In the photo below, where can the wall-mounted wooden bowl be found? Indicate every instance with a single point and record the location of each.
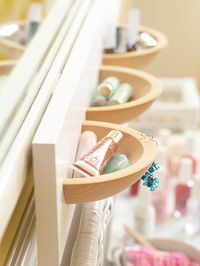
(6, 66)
(146, 90)
(10, 49)
(140, 151)
(138, 59)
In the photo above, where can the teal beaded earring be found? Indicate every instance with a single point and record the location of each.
(148, 179)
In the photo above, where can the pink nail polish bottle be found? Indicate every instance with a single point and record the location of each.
(190, 146)
(183, 186)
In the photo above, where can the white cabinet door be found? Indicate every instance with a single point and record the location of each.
(55, 143)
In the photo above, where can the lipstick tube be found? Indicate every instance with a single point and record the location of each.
(93, 163)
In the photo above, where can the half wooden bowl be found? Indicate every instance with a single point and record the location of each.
(141, 58)
(141, 152)
(146, 90)
(6, 66)
(10, 49)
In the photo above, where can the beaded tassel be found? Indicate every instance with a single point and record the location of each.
(148, 179)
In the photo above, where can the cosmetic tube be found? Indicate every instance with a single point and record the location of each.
(117, 162)
(108, 87)
(33, 21)
(110, 41)
(133, 27)
(99, 100)
(93, 163)
(144, 213)
(87, 141)
(122, 95)
(145, 41)
(121, 40)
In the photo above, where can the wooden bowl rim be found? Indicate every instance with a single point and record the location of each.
(159, 36)
(154, 92)
(144, 161)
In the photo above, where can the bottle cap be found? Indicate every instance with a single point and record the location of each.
(185, 169)
(115, 135)
(164, 136)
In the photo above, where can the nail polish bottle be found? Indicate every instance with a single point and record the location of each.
(133, 28)
(160, 197)
(144, 213)
(193, 209)
(190, 146)
(176, 151)
(164, 135)
(183, 186)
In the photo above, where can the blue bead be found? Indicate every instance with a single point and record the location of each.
(154, 167)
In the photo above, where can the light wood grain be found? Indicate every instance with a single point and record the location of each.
(140, 152)
(138, 59)
(146, 89)
(6, 66)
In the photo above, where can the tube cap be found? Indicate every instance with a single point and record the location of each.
(115, 135)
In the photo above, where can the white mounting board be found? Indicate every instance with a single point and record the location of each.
(55, 143)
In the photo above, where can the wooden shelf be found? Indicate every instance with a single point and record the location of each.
(146, 90)
(138, 59)
(140, 151)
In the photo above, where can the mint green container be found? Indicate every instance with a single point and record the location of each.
(122, 95)
(117, 162)
(108, 87)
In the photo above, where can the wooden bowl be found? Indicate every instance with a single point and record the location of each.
(10, 49)
(6, 66)
(140, 151)
(146, 90)
(141, 58)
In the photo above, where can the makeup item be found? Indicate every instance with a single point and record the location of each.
(117, 162)
(87, 141)
(121, 40)
(190, 138)
(122, 95)
(183, 186)
(133, 28)
(160, 197)
(164, 136)
(110, 38)
(192, 225)
(99, 100)
(108, 87)
(134, 188)
(33, 21)
(11, 31)
(93, 163)
(176, 151)
(144, 213)
(145, 41)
